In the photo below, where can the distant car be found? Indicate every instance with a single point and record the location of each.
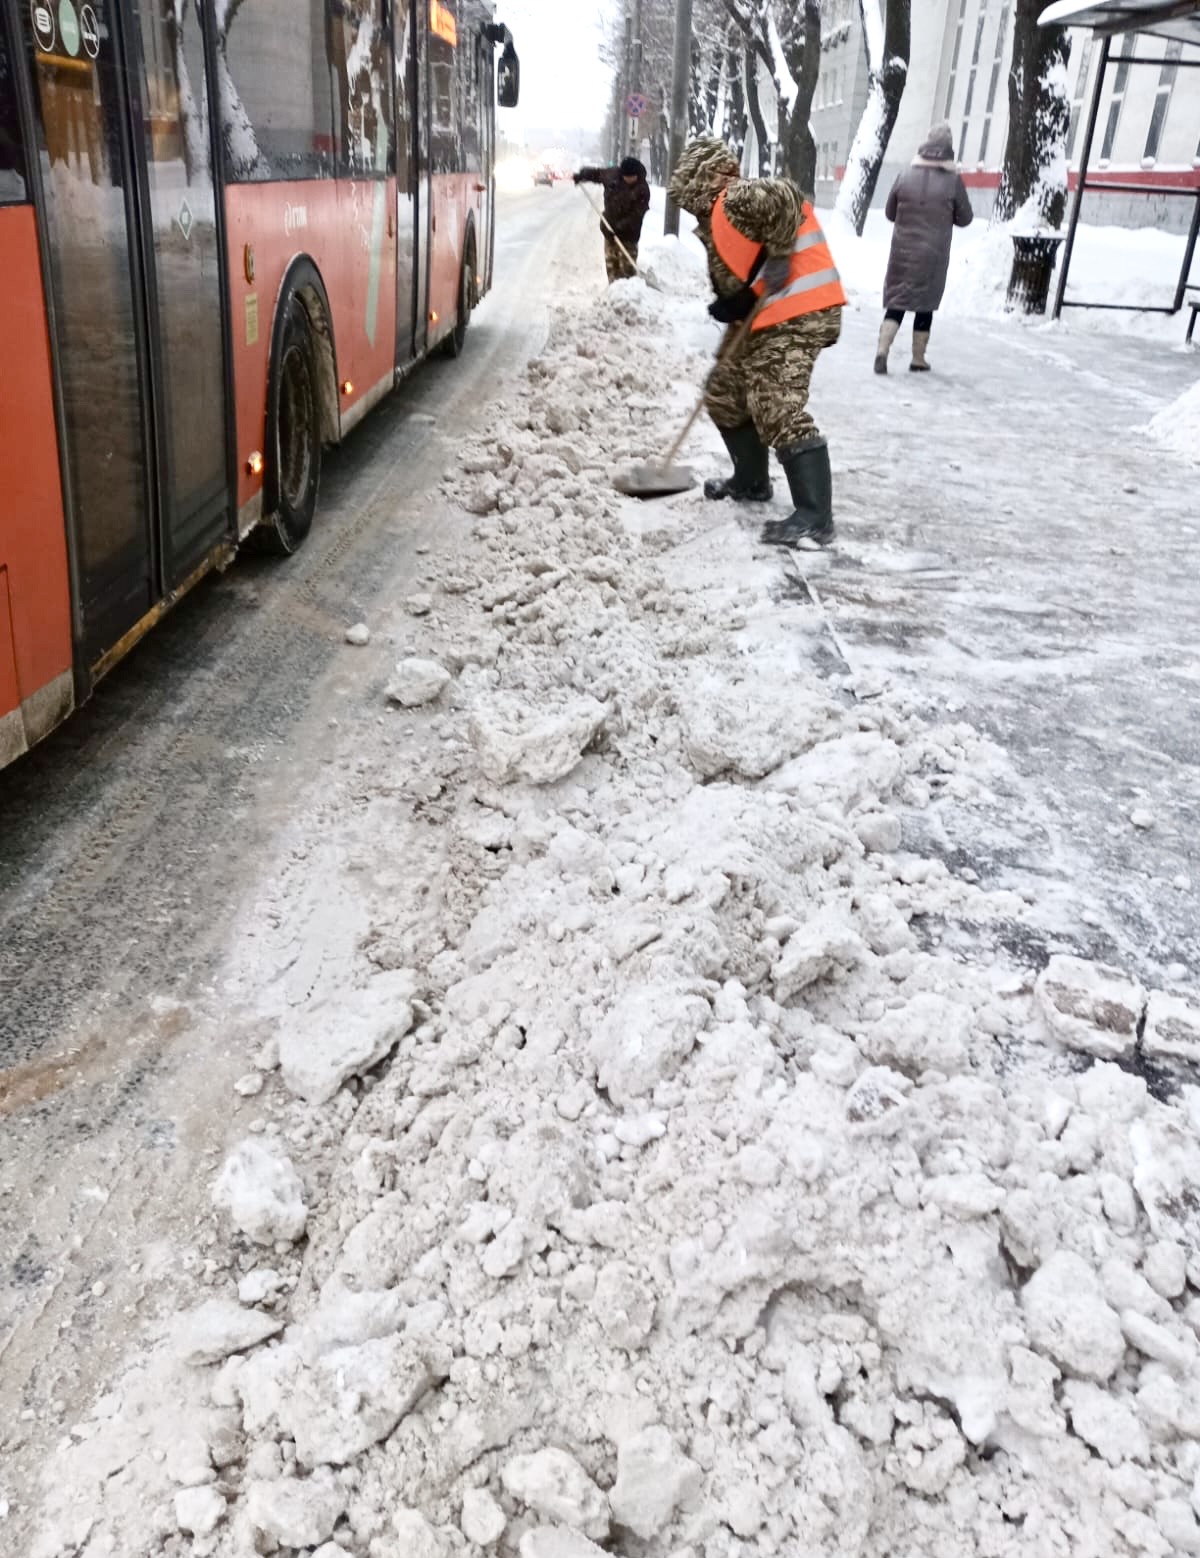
(543, 176)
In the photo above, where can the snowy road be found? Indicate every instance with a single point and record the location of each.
(131, 838)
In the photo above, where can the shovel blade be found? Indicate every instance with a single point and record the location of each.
(655, 481)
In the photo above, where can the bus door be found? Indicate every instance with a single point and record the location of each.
(408, 194)
(127, 181)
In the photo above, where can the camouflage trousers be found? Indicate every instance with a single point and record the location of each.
(767, 380)
(618, 267)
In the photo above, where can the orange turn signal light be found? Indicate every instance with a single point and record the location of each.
(433, 319)
(255, 464)
(347, 388)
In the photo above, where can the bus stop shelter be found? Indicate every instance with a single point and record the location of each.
(1177, 21)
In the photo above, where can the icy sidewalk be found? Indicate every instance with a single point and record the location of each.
(1015, 547)
(628, 1172)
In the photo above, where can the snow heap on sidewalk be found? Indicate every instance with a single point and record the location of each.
(1177, 426)
(709, 1209)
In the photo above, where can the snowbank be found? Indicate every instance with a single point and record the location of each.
(706, 1205)
(1123, 265)
(1177, 426)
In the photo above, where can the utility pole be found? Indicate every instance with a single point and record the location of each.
(680, 83)
(622, 109)
(635, 125)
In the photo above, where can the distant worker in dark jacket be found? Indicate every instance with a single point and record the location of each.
(928, 201)
(626, 201)
(766, 252)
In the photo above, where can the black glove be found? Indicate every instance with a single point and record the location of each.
(732, 309)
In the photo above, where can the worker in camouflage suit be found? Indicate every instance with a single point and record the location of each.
(770, 265)
(626, 201)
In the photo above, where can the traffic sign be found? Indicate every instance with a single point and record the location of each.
(636, 104)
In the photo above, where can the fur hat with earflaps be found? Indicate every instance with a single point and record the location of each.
(706, 167)
(937, 149)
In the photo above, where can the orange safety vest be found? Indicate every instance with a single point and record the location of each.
(813, 282)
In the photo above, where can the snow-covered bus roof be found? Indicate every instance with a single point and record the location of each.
(1179, 19)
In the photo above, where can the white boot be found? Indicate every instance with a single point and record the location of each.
(920, 342)
(887, 334)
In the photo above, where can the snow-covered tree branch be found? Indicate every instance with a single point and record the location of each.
(886, 31)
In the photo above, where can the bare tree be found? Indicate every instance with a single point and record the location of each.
(799, 42)
(887, 34)
(1039, 117)
(784, 37)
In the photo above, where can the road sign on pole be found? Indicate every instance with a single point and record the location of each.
(636, 104)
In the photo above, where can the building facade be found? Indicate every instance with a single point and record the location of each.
(1148, 131)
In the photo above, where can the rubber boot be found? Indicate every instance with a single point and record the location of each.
(811, 482)
(887, 334)
(920, 342)
(751, 479)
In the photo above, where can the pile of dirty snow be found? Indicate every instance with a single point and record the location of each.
(656, 1184)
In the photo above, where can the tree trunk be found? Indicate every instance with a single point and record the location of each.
(1039, 116)
(799, 146)
(733, 130)
(888, 43)
(754, 107)
(706, 91)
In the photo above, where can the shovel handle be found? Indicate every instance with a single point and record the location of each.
(604, 222)
(736, 343)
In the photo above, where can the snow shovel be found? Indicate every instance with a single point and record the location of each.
(651, 281)
(667, 479)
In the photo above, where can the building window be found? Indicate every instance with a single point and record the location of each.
(970, 98)
(993, 84)
(1080, 95)
(958, 33)
(1162, 99)
(1118, 98)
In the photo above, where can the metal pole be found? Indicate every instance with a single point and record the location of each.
(1188, 252)
(626, 87)
(635, 127)
(680, 82)
(1084, 163)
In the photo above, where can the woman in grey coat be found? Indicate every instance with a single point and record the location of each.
(928, 201)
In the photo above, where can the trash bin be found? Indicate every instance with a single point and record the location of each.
(1033, 266)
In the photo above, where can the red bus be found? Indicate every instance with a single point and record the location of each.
(227, 228)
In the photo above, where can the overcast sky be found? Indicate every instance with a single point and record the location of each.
(563, 83)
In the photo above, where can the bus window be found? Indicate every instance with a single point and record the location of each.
(444, 153)
(469, 86)
(12, 152)
(362, 64)
(274, 82)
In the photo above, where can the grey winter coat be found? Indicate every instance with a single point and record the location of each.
(927, 203)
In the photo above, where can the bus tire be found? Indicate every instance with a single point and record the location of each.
(294, 437)
(457, 339)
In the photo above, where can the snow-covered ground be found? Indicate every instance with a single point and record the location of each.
(621, 1162)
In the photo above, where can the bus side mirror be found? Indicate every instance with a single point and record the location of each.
(508, 78)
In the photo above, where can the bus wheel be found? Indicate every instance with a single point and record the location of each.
(466, 302)
(295, 441)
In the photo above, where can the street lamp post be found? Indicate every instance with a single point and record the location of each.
(680, 80)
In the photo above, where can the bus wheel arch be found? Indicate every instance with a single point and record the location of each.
(302, 408)
(468, 291)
